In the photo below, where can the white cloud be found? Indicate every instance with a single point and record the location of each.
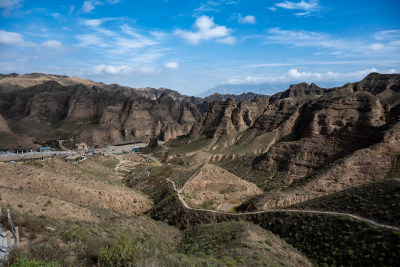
(56, 15)
(92, 22)
(119, 70)
(123, 44)
(304, 38)
(247, 19)
(158, 34)
(71, 10)
(9, 5)
(377, 46)
(96, 23)
(90, 40)
(228, 40)
(52, 44)
(388, 35)
(10, 38)
(306, 6)
(272, 8)
(212, 5)
(388, 42)
(111, 70)
(171, 65)
(88, 6)
(294, 75)
(127, 46)
(206, 30)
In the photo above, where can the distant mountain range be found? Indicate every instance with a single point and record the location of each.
(238, 89)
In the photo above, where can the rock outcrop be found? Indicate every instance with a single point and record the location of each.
(94, 116)
(309, 141)
(4, 126)
(225, 117)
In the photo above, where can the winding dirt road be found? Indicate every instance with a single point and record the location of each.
(359, 218)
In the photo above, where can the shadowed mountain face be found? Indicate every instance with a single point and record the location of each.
(41, 107)
(307, 141)
(94, 115)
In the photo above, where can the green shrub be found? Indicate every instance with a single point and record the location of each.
(23, 261)
(128, 251)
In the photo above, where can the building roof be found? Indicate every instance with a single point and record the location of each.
(46, 147)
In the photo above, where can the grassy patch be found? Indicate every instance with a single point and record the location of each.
(193, 146)
(335, 240)
(180, 177)
(379, 201)
(24, 261)
(209, 238)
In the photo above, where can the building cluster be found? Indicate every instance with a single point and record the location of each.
(25, 150)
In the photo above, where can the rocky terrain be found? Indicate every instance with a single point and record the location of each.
(305, 142)
(217, 188)
(230, 172)
(51, 111)
(42, 107)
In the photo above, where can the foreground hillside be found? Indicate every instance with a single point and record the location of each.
(85, 215)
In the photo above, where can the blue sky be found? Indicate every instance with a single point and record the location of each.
(192, 46)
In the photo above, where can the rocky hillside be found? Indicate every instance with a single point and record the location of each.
(15, 82)
(306, 141)
(90, 114)
(237, 98)
(40, 108)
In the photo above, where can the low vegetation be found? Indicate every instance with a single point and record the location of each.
(191, 147)
(243, 168)
(379, 201)
(335, 240)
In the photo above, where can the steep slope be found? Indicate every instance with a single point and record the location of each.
(215, 187)
(4, 128)
(307, 141)
(15, 82)
(51, 110)
(63, 190)
(237, 98)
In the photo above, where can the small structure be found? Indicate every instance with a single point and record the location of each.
(76, 159)
(153, 143)
(4, 152)
(132, 142)
(81, 146)
(23, 150)
(44, 149)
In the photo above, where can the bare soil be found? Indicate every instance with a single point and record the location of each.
(65, 190)
(217, 188)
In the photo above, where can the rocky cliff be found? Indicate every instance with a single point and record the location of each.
(298, 140)
(90, 114)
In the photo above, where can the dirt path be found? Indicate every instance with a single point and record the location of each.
(186, 205)
(190, 179)
(121, 162)
(60, 144)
